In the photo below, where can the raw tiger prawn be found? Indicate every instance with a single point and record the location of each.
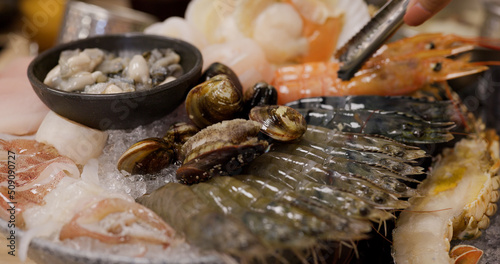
(403, 118)
(441, 111)
(343, 164)
(396, 125)
(325, 155)
(362, 142)
(386, 183)
(246, 224)
(293, 178)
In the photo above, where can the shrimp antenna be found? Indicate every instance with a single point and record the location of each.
(424, 212)
(485, 63)
(383, 236)
(460, 133)
(367, 119)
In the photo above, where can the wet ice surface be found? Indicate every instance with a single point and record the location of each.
(489, 241)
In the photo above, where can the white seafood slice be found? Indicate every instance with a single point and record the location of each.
(76, 141)
(21, 111)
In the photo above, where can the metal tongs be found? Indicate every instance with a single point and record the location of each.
(369, 39)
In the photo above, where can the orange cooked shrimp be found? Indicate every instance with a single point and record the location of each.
(449, 43)
(395, 77)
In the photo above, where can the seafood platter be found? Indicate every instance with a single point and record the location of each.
(269, 157)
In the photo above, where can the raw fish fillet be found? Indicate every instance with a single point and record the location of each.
(33, 171)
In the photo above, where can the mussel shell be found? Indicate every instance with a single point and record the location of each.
(279, 122)
(260, 94)
(213, 101)
(147, 156)
(217, 68)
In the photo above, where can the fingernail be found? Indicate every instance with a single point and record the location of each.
(416, 15)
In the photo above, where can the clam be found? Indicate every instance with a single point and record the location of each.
(217, 68)
(213, 101)
(220, 149)
(260, 94)
(279, 122)
(179, 133)
(147, 156)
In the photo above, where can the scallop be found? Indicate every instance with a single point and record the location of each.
(217, 68)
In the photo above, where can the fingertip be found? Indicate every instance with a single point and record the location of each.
(416, 15)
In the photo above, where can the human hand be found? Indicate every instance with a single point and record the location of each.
(419, 11)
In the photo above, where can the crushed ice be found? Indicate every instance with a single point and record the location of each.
(119, 141)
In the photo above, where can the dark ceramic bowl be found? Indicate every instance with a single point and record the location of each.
(123, 110)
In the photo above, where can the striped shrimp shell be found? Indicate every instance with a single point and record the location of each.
(402, 120)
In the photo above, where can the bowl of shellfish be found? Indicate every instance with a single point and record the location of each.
(116, 81)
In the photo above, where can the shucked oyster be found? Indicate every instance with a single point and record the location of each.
(100, 72)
